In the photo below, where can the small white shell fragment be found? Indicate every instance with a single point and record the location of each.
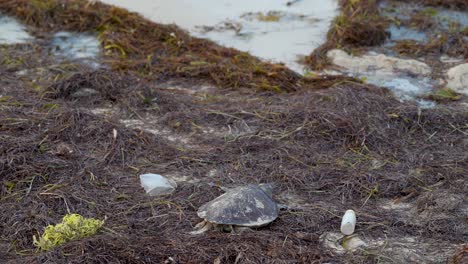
(155, 184)
(348, 223)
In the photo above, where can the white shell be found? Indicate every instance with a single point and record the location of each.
(155, 184)
(348, 223)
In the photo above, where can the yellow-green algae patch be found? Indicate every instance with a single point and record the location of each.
(72, 227)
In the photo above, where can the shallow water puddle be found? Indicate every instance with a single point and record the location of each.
(405, 33)
(76, 46)
(408, 79)
(445, 18)
(12, 32)
(270, 29)
(405, 88)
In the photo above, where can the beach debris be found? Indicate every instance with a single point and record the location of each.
(292, 2)
(114, 133)
(341, 244)
(156, 185)
(84, 92)
(348, 223)
(246, 206)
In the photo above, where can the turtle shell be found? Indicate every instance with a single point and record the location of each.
(242, 206)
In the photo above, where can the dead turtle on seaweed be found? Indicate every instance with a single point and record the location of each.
(246, 206)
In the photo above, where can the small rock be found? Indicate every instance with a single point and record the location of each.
(342, 244)
(353, 243)
(22, 72)
(63, 149)
(378, 63)
(457, 78)
(84, 92)
(155, 184)
(447, 59)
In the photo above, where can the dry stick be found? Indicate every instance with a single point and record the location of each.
(133, 111)
(297, 160)
(291, 132)
(257, 115)
(156, 216)
(284, 242)
(325, 210)
(112, 231)
(375, 254)
(224, 114)
(238, 258)
(292, 2)
(60, 196)
(88, 202)
(457, 129)
(9, 196)
(30, 186)
(432, 135)
(351, 82)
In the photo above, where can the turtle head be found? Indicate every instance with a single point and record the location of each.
(267, 188)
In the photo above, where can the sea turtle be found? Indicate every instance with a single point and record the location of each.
(246, 206)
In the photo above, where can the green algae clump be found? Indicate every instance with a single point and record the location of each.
(72, 227)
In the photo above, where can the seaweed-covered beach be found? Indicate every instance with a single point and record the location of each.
(94, 96)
